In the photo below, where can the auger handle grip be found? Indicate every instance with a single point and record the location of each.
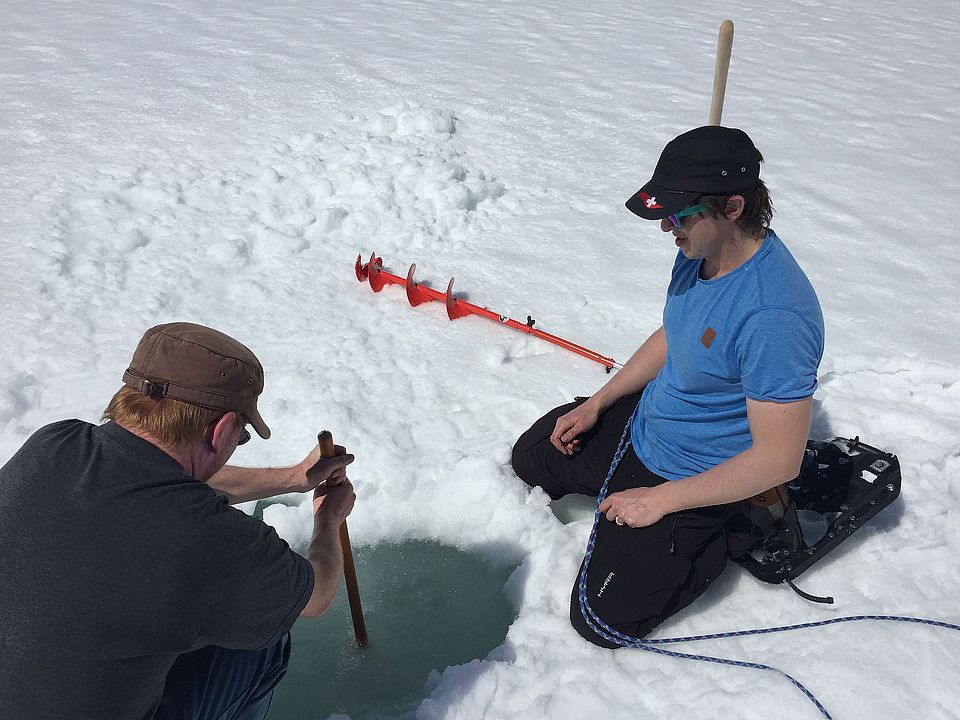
(720, 70)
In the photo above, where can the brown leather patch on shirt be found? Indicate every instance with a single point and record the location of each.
(708, 335)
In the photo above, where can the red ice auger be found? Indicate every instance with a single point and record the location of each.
(418, 294)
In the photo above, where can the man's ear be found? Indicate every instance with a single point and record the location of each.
(218, 432)
(734, 207)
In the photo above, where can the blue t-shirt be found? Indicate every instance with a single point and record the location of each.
(756, 332)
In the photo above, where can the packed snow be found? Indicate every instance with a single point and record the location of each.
(225, 162)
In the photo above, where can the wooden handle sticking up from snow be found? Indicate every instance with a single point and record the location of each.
(327, 450)
(724, 46)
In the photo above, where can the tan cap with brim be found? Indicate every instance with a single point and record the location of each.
(200, 366)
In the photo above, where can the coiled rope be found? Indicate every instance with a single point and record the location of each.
(614, 636)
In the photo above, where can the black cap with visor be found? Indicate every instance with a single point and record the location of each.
(709, 160)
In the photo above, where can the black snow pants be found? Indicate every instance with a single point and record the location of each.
(638, 577)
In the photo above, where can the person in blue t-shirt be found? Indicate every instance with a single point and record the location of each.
(718, 399)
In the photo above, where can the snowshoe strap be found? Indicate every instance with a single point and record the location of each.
(826, 600)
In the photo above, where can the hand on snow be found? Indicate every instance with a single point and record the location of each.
(569, 426)
(636, 507)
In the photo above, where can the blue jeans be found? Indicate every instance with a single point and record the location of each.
(214, 683)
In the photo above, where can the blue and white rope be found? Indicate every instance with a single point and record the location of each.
(614, 636)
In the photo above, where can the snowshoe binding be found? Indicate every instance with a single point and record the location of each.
(781, 533)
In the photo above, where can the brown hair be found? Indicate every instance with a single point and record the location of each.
(757, 208)
(169, 421)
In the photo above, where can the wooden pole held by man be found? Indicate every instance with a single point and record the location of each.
(327, 450)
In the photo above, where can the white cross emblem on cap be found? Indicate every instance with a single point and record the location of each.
(651, 202)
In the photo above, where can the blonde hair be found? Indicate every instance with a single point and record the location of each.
(169, 421)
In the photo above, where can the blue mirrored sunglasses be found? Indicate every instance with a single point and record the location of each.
(675, 217)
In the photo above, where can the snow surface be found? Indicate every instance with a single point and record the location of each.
(224, 162)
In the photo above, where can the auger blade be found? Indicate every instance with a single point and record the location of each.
(361, 270)
(454, 309)
(374, 276)
(415, 293)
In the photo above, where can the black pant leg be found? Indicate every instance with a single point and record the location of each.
(638, 577)
(539, 464)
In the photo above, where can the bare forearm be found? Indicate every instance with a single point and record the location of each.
(742, 476)
(639, 370)
(779, 432)
(326, 557)
(242, 484)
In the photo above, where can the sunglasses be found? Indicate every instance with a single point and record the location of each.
(244, 433)
(675, 217)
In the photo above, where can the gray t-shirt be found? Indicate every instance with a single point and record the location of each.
(113, 562)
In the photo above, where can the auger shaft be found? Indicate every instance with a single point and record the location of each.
(418, 294)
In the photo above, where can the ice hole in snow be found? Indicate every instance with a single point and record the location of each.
(427, 606)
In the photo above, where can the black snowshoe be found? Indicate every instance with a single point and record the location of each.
(781, 533)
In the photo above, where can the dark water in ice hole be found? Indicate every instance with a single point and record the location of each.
(427, 606)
